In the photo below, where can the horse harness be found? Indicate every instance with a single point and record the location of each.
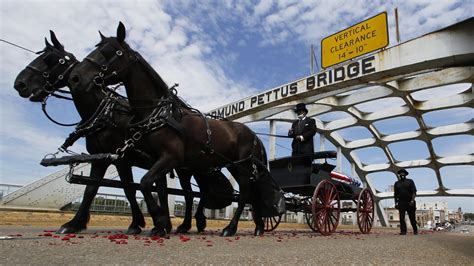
(162, 114)
(101, 119)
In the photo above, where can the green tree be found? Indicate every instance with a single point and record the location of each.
(468, 216)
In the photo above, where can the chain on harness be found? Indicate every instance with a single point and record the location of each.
(99, 120)
(159, 117)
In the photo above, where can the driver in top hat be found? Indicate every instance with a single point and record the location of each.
(302, 131)
(404, 194)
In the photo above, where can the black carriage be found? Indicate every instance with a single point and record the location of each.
(311, 188)
(308, 187)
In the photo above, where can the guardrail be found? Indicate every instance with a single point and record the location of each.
(7, 188)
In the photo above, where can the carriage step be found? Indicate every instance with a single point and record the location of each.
(81, 158)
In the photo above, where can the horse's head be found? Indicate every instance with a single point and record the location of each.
(46, 73)
(108, 64)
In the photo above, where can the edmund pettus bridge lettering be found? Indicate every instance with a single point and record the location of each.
(353, 70)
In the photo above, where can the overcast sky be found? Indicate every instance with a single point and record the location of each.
(218, 51)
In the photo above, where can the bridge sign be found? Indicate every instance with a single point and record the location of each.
(362, 38)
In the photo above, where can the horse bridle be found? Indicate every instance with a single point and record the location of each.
(50, 85)
(102, 76)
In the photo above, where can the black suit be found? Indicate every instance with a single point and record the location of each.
(405, 191)
(307, 129)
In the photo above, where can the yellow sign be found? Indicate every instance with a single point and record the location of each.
(362, 38)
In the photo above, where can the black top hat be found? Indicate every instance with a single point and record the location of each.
(301, 107)
(402, 171)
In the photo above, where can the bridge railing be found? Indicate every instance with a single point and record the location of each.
(7, 188)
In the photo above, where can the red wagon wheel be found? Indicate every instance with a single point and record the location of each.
(326, 208)
(365, 211)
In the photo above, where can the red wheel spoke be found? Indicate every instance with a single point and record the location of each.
(365, 211)
(333, 221)
(330, 197)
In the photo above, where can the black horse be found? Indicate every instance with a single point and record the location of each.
(181, 136)
(48, 73)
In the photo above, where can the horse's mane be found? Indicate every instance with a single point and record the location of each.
(156, 78)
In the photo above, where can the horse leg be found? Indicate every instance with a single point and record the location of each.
(185, 182)
(200, 217)
(126, 176)
(231, 229)
(161, 185)
(259, 224)
(80, 220)
(157, 213)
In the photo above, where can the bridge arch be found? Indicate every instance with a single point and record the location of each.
(395, 79)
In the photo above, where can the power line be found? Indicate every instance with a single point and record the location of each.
(16, 45)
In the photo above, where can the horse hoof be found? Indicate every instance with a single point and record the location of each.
(228, 232)
(169, 228)
(157, 232)
(201, 225)
(67, 230)
(133, 231)
(182, 229)
(258, 231)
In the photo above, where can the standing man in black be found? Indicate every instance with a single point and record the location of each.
(405, 192)
(302, 131)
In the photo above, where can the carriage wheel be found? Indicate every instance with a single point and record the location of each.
(271, 223)
(308, 215)
(365, 211)
(326, 208)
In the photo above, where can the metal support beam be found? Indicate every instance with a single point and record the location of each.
(381, 213)
(322, 145)
(272, 140)
(339, 160)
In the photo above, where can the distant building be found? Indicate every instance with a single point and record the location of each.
(348, 218)
(455, 216)
(439, 210)
(428, 214)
